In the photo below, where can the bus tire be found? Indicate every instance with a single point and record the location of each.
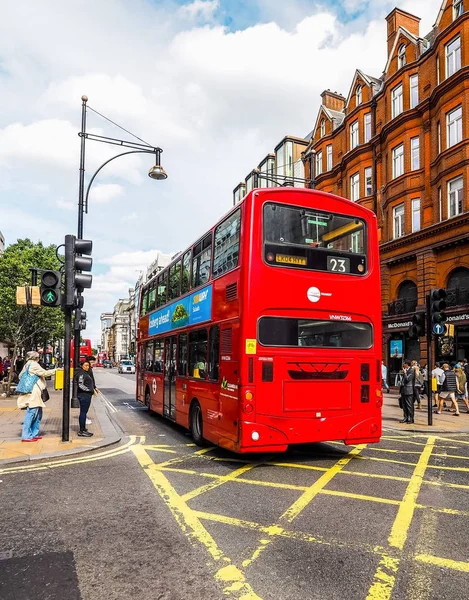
(195, 423)
(148, 400)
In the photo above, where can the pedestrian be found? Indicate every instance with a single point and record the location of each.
(448, 389)
(384, 376)
(407, 392)
(461, 382)
(92, 361)
(33, 401)
(465, 366)
(85, 391)
(437, 378)
(418, 382)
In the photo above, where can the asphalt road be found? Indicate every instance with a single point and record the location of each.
(159, 518)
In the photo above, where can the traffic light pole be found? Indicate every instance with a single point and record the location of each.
(66, 384)
(429, 359)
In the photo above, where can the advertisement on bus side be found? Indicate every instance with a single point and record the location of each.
(193, 309)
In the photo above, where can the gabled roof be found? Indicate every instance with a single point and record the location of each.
(371, 82)
(412, 39)
(335, 117)
(444, 4)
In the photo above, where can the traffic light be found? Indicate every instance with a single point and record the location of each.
(75, 263)
(50, 292)
(417, 329)
(437, 307)
(80, 319)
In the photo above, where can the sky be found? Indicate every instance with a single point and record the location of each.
(215, 83)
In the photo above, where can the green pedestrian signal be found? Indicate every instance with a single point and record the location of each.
(51, 283)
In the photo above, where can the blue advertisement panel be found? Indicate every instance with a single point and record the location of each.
(395, 348)
(193, 309)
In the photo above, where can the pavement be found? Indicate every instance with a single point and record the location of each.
(107, 431)
(13, 450)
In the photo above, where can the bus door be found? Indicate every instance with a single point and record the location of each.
(169, 398)
(141, 372)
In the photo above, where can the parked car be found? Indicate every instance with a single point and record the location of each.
(126, 366)
(107, 364)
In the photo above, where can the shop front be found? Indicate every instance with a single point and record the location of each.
(397, 345)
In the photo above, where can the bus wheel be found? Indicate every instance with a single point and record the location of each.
(196, 424)
(147, 399)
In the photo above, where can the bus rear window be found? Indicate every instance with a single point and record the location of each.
(304, 238)
(314, 333)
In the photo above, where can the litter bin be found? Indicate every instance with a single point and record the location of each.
(59, 379)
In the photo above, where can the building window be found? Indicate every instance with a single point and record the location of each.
(354, 135)
(319, 162)
(415, 153)
(358, 95)
(453, 56)
(454, 127)
(329, 157)
(367, 126)
(437, 70)
(323, 128)
(458, 9)
(397, 106)
(416, 214)
(398, 221)
(438, 135)
(355, 187)
(414, 90)
(401, 56)
(440, 204)
(289, 159)
(455, 188)
(368, 181)
(398, 161)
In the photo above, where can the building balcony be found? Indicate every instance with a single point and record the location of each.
(402, 306)
(457, 297)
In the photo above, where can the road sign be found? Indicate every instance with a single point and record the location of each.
(438, 328)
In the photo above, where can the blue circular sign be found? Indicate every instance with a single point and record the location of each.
(438, 328)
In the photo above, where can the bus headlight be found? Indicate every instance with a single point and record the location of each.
(255, 435)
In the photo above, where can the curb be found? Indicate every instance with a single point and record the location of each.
(110, 428)
(423, 429)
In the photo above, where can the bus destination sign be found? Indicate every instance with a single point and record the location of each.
(290, 260)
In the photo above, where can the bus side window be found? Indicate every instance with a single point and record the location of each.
(182, 355)
(161, 291)
(174, 281)
(152, 297)
(158, 363)
(145, 301)
(226, 252)
(186, 273)
(198, 353)
(149, 356)
(214, 356)
(201, 263)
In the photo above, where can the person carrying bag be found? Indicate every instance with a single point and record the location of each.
(32, 387)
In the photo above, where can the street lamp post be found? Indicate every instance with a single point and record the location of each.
(156, 172)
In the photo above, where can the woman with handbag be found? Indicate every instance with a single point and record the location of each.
(33, 389)
(86, 389)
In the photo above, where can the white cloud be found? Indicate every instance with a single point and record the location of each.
(104, 193)
(199, 8)
(133, 216)
(66, 204)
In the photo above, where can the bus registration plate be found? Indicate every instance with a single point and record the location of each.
(290, 260)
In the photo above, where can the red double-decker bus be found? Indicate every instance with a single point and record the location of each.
(85, 349)
(267, 331)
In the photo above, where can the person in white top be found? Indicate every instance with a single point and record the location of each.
(437, 375)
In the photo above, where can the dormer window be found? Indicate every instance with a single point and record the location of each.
(401, 56)
(458, 8)
(358, 95)
(323, 128)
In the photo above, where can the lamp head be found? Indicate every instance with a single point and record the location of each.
(157, 172)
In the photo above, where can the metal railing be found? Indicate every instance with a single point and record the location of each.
(402, 306)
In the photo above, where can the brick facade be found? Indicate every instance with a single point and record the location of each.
(429, 247)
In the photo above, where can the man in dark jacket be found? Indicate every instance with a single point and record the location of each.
(85, 391)
(407, 393)
(449, 386)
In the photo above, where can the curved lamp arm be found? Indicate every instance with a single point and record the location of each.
(117, 156)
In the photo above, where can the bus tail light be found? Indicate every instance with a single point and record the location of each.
(248, 405)
(379, 398)
(248, 408)
(365, 393)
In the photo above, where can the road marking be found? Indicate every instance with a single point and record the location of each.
(457, 565)
(223, 479)
(385, 575)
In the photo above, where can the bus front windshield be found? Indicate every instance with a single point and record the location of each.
(312, 239)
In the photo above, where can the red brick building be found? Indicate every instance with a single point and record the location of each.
(399, 144)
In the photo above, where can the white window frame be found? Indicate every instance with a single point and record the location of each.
(398, 214)
(323, 128)
(455, 197)
(438, 135)
(318, 166)
(358, 95)
(355, 187)
(453, 56)
(367, 126)
(368, 181)
(454, 126)
(458, 9)
(397, 101)
(329, 163)
(398, 161)
(288, 154)
(414, 90)
(401, 56)
(354, 135)
(416, 215)
(415, 153)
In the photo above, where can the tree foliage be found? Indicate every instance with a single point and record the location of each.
(20, 325)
